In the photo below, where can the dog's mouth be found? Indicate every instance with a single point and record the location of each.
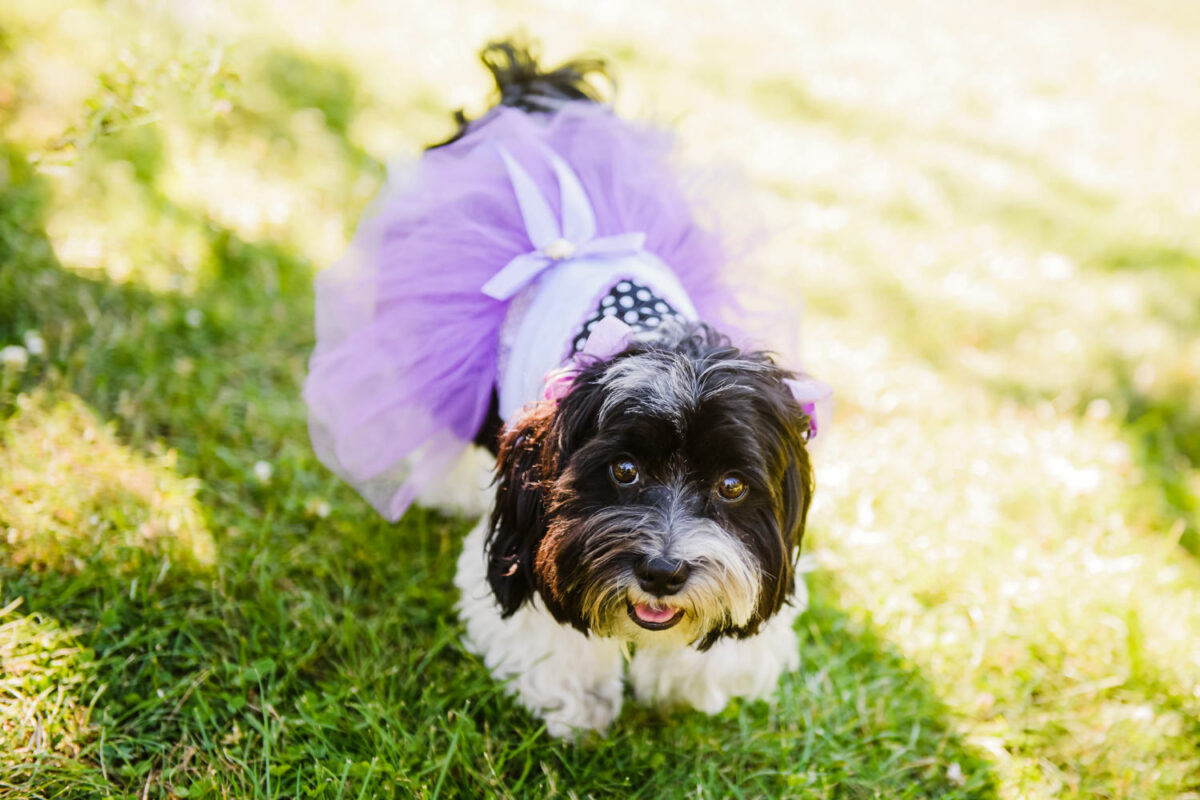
(654, 619)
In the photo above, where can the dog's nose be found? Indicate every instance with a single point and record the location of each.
(662, 576)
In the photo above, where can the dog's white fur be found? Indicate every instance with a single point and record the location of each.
(572, 681)
(575, 682)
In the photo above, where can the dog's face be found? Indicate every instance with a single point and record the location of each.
(661, 501)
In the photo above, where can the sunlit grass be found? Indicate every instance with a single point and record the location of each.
(44, 713)
(993, 214)
(72, 493)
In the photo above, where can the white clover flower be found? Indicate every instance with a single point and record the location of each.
(262, 471)
(317, 507)
(34, 343)
(14, 357)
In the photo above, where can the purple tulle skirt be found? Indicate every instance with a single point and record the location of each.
(407, 344)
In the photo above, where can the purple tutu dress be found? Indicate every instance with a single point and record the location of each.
(474, 273)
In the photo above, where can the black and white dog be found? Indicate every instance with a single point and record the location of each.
(651, 480)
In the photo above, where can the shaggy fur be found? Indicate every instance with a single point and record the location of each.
(688, 409)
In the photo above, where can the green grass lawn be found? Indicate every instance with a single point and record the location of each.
(993, 215)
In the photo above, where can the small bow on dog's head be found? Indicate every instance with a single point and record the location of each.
(609, 337)
(815, 397)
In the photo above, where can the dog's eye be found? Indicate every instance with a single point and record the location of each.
(624, 471)
(731, 488)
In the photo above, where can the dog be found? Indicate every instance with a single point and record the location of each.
(537, 288)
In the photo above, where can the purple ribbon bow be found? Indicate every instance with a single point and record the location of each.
(575, 239)
(609, 337)
(815, 398)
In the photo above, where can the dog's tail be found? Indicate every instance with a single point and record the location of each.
(523, 83)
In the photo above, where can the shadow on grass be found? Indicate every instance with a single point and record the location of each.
(202, 386)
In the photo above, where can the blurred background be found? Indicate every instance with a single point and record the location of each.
(992, 212)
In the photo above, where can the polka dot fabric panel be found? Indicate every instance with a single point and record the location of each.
(633, 304)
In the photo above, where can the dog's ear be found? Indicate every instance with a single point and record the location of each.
(518, 521)
(797, 488)
(789, 426)
(533, 452)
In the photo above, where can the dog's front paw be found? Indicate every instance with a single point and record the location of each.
(580, 710)
(570, 681)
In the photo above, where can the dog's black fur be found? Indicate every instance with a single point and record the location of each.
(553, 528)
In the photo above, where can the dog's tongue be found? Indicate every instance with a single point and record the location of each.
(654, 615)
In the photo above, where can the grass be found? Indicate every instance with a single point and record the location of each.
(991, 213)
